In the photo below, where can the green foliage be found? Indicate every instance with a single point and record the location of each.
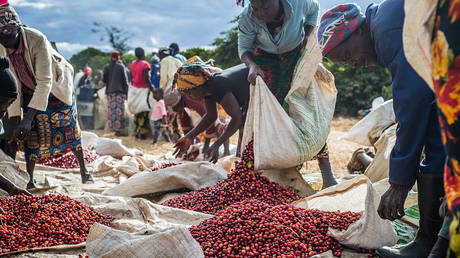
(226, 52)
(358, 87)
(204, 54)
(84, 57)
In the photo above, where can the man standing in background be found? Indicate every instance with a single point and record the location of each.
(175, 54)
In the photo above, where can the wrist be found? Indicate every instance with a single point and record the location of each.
(399, 187)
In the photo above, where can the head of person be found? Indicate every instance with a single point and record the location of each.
(88, 71)
(155, 60)
(139, 53)
(265, 10)
(115, 56)
(175, 48)
(10, 26)
(192, 77)
(8, 85)
(344, 37)
(174, 101)
(164, 52)
(158, 94)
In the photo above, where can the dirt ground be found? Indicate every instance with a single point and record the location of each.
(340, 151)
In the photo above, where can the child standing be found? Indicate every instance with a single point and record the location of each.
(159, 116)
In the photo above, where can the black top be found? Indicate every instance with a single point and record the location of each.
(234, 80)
(115, 78)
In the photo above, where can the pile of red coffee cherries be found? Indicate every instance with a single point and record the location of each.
(243, 183)
(256, 229)
(68, 160)
(44, 221)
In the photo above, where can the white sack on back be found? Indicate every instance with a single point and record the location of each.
(193, 176)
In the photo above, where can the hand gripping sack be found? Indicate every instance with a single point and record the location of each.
(282, 140)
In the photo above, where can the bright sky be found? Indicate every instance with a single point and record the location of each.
(153, 23)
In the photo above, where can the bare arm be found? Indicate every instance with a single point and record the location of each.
(147, 79)
(208, 119)
(232, 108)
(254, 69)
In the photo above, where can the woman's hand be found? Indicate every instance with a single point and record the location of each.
(254, 71)
(182, 147)
(213, 153)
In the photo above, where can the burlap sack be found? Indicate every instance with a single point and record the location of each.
(192, 176)
(105, 242)
(356, 195)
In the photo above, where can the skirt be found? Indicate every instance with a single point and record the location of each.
(55, 131)
(278, 71)
(116, 111)
(142, 124)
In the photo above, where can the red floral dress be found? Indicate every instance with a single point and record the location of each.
(445, 51)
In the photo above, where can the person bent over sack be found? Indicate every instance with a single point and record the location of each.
(49, 126)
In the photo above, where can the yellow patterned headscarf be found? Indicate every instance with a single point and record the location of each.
(193, 73)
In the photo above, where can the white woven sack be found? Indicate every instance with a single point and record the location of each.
(371, 127)
(193, 176)
(139, 100)
(355, 195)
(282, 140)
(105, 242)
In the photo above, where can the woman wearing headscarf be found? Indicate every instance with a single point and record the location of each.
(49, 126)
(229, 88)
(116, 90)
(271, 36)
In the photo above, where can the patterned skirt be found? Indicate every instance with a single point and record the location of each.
(116, 111)
(142, 124)
(445, 51)
(55, 131)
(278, 71)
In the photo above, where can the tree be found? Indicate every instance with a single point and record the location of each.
(204, 54)
(226, 51)
(117, 37)
(81, 59)
(358, 87)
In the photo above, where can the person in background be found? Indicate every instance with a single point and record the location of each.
(155, 71)
(116, 82)
(86, 80)
(230, 88)
(141, 79)
(176, 52)
(49, 125)
(178, 103)
(168, 66)
(271, 36)
(9, 93)
(347, 36)
(160, 123)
